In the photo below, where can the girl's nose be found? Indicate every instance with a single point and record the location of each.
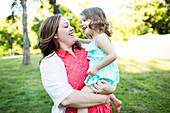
(81, 24)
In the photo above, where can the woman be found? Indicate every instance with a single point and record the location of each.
(63, 70)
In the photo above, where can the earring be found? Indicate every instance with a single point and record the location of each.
(55, 37)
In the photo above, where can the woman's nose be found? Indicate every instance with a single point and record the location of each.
(72, 28)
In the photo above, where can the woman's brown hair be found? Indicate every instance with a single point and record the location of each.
(98, 20)
(47, 43)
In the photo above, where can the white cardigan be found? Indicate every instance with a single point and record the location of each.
(55, 82)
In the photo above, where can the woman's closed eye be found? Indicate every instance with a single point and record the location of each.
(65, 26)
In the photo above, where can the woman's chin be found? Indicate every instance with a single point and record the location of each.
(74, 40)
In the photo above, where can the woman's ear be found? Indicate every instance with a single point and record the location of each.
(55, 36)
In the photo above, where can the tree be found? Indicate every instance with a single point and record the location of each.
(66, 12)
(19, 4)
(159, 18)
(56, 8)
(140, 17)
(154, 13)
(26, 52)
(8, 39)
(53, 9)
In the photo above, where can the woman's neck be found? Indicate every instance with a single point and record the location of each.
(69, 49)
(63, 47)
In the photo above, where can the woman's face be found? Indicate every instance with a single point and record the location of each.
(85, 25)
(65, 34)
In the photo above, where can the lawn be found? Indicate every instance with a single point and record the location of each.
(143, 88)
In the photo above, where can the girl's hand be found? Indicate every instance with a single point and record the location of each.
(92, 70)
(103, 87)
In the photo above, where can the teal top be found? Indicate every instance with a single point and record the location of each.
(109, 72)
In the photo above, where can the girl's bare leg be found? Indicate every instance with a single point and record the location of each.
(116, 102)
(88, 90)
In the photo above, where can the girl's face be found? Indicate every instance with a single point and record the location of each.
(65, 34)
(85, 26)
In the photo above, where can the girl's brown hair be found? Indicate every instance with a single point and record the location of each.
(48, 29)
(98, 20)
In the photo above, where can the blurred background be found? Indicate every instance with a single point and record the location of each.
(141, 37)
(128, 18)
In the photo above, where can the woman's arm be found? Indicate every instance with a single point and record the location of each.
(55, 82)
(79, 99)
(84, 41)
(89, 99)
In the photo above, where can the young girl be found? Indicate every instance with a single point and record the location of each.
(101, 52)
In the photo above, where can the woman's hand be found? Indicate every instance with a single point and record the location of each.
(103, 87)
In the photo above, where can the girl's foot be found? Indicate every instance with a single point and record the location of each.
(118, 105)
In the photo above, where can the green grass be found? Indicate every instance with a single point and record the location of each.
(143, 88)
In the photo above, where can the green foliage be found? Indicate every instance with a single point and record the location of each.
(159, 19)
(74, 21)
(51, 6)
(56, 7)
(140, 17)
(7, 39)
(155, 14)
(143, 88)
(137, 17)
(35, 28)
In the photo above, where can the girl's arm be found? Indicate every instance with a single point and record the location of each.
(103, 43)
(84, 41)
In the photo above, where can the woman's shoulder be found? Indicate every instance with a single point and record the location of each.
(51, 59)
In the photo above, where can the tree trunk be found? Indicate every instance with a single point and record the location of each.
(56, 7)
(26, 52)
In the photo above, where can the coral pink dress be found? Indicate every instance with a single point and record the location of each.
(76, 69)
